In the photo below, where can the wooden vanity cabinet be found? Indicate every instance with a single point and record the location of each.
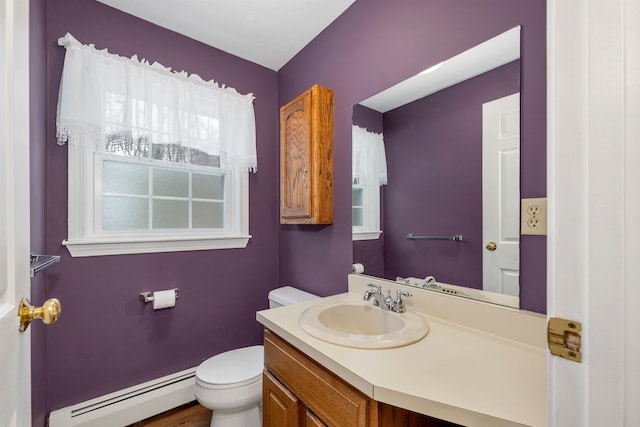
(297, 391)
(279, 406)
(306, 158)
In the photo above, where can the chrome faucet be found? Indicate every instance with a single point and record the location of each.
(376, 293)
(386, 303)
(430, 282)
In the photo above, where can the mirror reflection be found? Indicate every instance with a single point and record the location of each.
(440, 210)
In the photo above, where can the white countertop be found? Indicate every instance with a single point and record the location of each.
(457, 372)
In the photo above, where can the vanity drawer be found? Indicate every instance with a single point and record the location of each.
(327, 396)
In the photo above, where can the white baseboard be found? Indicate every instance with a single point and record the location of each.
(130, 405)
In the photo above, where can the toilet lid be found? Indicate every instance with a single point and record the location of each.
(232, 367)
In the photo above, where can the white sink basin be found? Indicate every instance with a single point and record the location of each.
(361, 325)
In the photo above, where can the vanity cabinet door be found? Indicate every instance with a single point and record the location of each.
(280, 408)
(331, 401)
(311, 420)
(306, 158)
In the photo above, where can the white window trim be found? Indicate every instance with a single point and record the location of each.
(370, 230)
(83, 242)
(366, 235)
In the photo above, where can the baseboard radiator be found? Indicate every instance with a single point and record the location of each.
(129, 405)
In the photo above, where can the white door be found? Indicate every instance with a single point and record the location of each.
(594, 208)
(501, 195)
(15, 358)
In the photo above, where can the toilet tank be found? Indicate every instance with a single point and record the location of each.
(288, 295)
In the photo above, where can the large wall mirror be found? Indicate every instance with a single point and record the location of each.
(450, 201)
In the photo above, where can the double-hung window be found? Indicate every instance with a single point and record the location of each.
(369, 173)
(158, 161)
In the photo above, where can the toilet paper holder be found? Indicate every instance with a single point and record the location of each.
(148, 296)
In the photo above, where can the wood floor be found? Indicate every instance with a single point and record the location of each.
(195, 415)
(189, 415)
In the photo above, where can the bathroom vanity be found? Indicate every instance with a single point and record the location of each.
(314, 396)
(479, 365)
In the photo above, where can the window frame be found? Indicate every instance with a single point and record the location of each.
(370, 229)
(83, 239)
(100, 159)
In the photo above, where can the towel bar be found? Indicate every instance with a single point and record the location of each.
(456, 238)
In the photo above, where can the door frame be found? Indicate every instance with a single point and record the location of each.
(15, 347)
(592, 160)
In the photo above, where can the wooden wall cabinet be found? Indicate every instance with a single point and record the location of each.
(298, 392)
(306, 158)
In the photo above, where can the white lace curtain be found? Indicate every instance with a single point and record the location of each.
(126, 106)
(369, 158)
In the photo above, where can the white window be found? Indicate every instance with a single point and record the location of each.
(366, 212)
(369, 173)
(158, 161)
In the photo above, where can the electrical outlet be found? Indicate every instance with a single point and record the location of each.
(533, 216)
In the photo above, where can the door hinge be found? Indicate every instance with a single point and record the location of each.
(565, 338)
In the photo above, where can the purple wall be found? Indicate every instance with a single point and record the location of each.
(367, 118)
(372, 46)
(106, 339)
(434, 159)
(38, 207)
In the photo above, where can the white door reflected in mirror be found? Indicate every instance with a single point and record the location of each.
(501, 195)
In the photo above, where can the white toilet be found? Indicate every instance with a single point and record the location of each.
(230, 383)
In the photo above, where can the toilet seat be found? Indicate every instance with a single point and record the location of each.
(232, 369)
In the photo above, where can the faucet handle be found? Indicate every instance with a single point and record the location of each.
(398, 303)
(377, 287)
(400, 294)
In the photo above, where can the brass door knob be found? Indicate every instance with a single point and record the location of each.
(492, 246)
(49, 312)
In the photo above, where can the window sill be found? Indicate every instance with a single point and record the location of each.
(101, 247)
(366, 235)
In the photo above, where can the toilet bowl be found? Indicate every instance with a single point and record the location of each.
(230, 383)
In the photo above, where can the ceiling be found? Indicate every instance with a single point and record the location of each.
(486, 56)
(267, 32)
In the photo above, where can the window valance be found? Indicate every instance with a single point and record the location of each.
(369, 158)
(126, 106)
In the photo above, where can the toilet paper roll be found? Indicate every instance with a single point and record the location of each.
(357, 268)
(164, 299)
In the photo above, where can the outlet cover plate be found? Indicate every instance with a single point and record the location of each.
(533, 216)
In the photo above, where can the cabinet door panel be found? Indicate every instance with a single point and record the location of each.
(337, 403)
(306, 158)
(280, 408)
(295, 159)
(311, 420)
